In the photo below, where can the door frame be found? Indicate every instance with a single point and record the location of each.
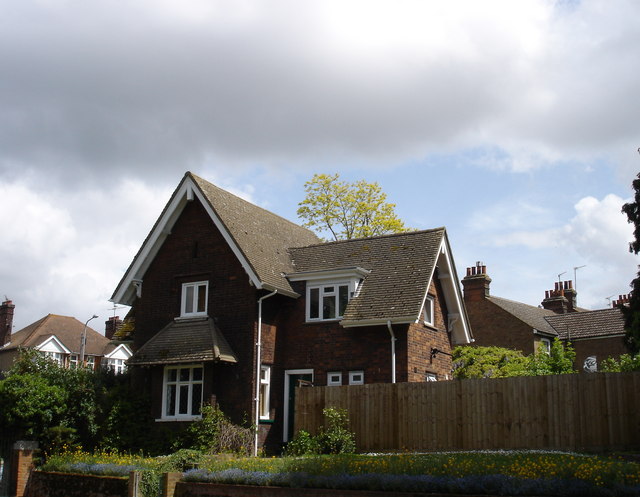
(287, 374)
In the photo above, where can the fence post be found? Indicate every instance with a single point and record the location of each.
(22, 465)
(169, 481)
(134, 484)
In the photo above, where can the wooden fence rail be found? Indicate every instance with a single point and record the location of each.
(596, 411)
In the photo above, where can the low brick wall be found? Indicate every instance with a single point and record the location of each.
(190, 489)
(45, 484)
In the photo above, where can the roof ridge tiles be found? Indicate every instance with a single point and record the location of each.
(376, 237)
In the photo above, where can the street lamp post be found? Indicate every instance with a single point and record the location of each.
(83, 340)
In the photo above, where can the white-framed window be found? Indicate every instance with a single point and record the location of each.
(356, 377)
(118, 365)
(328, 301)
(194, 299)
(55, 356)
(91, 362)
(546, 345)
(427, 311)
(265, 385)
(334, 379)
(431, 377)
(73, 361)
(182, 392)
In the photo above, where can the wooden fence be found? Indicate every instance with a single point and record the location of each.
(596, 411)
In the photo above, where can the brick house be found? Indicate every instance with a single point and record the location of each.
(60, 338)
(506, 323)
(235, 304)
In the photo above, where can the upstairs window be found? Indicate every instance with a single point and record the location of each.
(328, 301)
(427, 313)
(194, 299)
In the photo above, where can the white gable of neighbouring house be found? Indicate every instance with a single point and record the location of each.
(120, 352)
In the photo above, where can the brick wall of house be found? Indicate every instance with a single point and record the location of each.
(196, 251)
(601, 348)
(489, 322)
(423, 338)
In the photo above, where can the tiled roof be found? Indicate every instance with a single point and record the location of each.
(263, 236)
(588, 324)
(185, 341)
(528, 314)
(400, 266)
(66, 329)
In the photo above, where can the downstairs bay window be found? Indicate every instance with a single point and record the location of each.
(182, 392)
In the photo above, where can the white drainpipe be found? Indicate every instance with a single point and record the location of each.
(259, 370)
(393, 352)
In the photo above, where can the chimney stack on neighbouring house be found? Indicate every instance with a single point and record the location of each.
(622, 300)
(112, 325)
(6, 321)
(476, 283)
(561, 299)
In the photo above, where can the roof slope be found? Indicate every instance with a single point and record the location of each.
(66, 329)
(528, 314)
(184, 341)
(588, 324)
(401, 267)
(262, 236)
(259, 238)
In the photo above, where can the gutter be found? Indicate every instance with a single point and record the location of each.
(393, 352)
(259, 371)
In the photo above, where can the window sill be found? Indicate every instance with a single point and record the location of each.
(182, 418)
(198, 317)
(266, 421)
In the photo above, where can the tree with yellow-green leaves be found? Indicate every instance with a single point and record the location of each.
(345, 210)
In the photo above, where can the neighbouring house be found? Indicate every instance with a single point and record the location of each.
(235, 305)
(594, 335)
(60, 338)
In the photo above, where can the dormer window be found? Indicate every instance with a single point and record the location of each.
(194, 299)
(327, 302)
(328, 292)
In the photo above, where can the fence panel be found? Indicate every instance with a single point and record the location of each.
(580, 411)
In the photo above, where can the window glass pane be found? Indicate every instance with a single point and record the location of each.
(184, 374)
(196, 399)
(170, 408)
(314, 303)
(197, 374)
(202, 298)
(343, 299)
(184, 400)
(188, 301)
(172, 374)
(328, 289)
(328, 307)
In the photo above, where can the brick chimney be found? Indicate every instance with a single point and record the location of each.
(112, 325)
(6, 321)
(476, 283)
(623, 300)
(561, 299)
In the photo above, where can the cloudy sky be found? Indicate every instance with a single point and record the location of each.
(514, 124)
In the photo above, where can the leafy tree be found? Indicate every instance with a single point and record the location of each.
(347, 210)
(499, 362)
(631, 312)
(559, 359)
(625, 363)
(488, 362)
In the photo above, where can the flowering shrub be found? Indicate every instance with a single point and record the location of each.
(491, 473)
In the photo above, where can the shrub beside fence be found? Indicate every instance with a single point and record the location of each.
(599, 411)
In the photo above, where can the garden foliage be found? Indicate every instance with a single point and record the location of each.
(499, 362)
(214, 433)
(335, 438)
